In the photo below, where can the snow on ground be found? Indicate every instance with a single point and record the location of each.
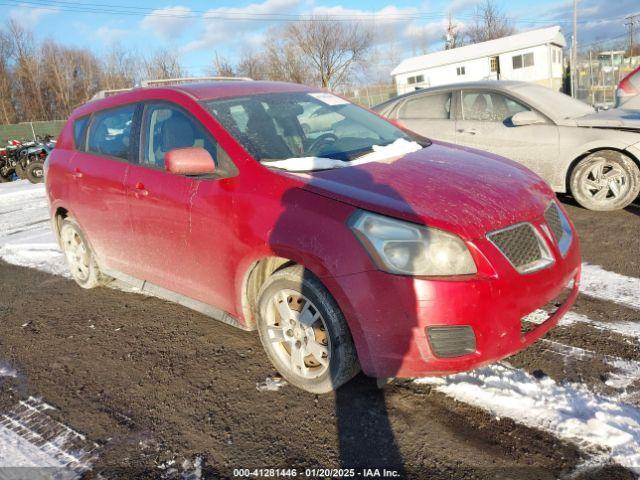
(568, 411)
(29, 437)
(599, 283)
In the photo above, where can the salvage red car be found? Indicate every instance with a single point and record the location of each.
(348, 243)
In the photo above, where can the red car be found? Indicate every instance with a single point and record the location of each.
(628, 91)
(360, 247)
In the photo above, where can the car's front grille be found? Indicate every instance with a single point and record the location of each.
(522, 246)
(559, 226)
(552, 216)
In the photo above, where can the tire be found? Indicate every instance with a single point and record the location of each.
(323, 346)
(79, 256)
(20, 172)
(605, 180)
(35, 172)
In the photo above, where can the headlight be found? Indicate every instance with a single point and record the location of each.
(405, 248)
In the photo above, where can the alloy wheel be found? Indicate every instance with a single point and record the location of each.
(297, 334)
(605, 181)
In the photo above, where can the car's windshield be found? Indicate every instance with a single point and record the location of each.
(294, 125)
(556, 103)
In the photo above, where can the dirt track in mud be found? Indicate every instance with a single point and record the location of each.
(150, 381)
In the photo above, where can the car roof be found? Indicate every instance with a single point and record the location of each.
(201, 91)
(495, 84)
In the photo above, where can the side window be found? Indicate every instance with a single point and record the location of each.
(489, 107)
(166, 127)
(79, 130)
(110, 132)
(435, 107)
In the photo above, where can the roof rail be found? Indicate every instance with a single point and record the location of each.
(179, 81)
(107, 93)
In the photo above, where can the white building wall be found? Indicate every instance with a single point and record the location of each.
(544, 70)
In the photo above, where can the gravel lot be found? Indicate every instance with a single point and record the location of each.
(160, 391)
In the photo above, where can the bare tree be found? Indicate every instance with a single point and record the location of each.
(332, 48)
(162, 64)
(252, 65)
(7, 108)
(119, 68)
(490, 22)
(222, 67)
(452, 37)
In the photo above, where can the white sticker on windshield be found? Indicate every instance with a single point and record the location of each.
(329, 99)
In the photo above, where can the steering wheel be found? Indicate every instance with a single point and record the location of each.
(324, 138)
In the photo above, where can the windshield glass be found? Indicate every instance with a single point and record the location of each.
(293, 125)
(558, 104)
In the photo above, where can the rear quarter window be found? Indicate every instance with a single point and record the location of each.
(79, 131)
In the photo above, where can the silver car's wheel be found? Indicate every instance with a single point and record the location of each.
(605, 180)
(304, 332)
(80, 259)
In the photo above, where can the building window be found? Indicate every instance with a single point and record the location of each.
(460, 71)
(493, 64)
(416, 79)
(522, 61)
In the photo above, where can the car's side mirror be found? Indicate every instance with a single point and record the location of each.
(189, 161)
(528, 117)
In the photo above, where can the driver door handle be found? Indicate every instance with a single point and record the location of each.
(470, 131)
(77, 173)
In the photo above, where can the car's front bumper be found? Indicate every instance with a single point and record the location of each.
(388, 314)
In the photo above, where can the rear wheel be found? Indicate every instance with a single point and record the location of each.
(80, 258)
(20, 172)
(605, 180)
(35, 172)
(304, 332)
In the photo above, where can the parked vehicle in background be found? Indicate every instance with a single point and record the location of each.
(381, 250)
(25, 159)
(628, 91)
(592, 155)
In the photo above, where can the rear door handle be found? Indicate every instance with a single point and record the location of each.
(140, 190)
(77, 173)
(470, 131)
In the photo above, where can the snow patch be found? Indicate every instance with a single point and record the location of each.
(600, 283)
(567, 411)
(271, 384)
(6, 371)
(380, 152)
(31, 438)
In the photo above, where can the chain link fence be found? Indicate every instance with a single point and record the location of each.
(30, 130)
(599, 73)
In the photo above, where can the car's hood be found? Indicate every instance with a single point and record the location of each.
(453, 188)
(614, 118)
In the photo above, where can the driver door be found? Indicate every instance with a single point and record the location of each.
(485, 123)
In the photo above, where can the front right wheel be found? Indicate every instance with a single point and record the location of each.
(605, 180)
(304, 332)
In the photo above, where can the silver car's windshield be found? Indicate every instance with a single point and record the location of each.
(293, 125)
(561, 105)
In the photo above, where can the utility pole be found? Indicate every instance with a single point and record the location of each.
(631, 23)
(574, 51)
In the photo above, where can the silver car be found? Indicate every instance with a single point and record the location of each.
(592, 155)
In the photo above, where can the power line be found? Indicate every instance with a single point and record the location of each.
(115, 9)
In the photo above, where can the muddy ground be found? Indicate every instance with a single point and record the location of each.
(150, 381)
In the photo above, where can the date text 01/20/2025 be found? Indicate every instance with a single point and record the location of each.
(316, 472)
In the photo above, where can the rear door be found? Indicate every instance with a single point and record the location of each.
(96, 176)
(429, 114)
(484, 122)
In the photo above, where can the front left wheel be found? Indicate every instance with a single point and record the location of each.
(80, 258)
(304, 332)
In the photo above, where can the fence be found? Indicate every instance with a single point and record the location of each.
(599, 74)
(30, 130)
(369, 96)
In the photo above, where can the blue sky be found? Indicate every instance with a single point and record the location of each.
(198, 29)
